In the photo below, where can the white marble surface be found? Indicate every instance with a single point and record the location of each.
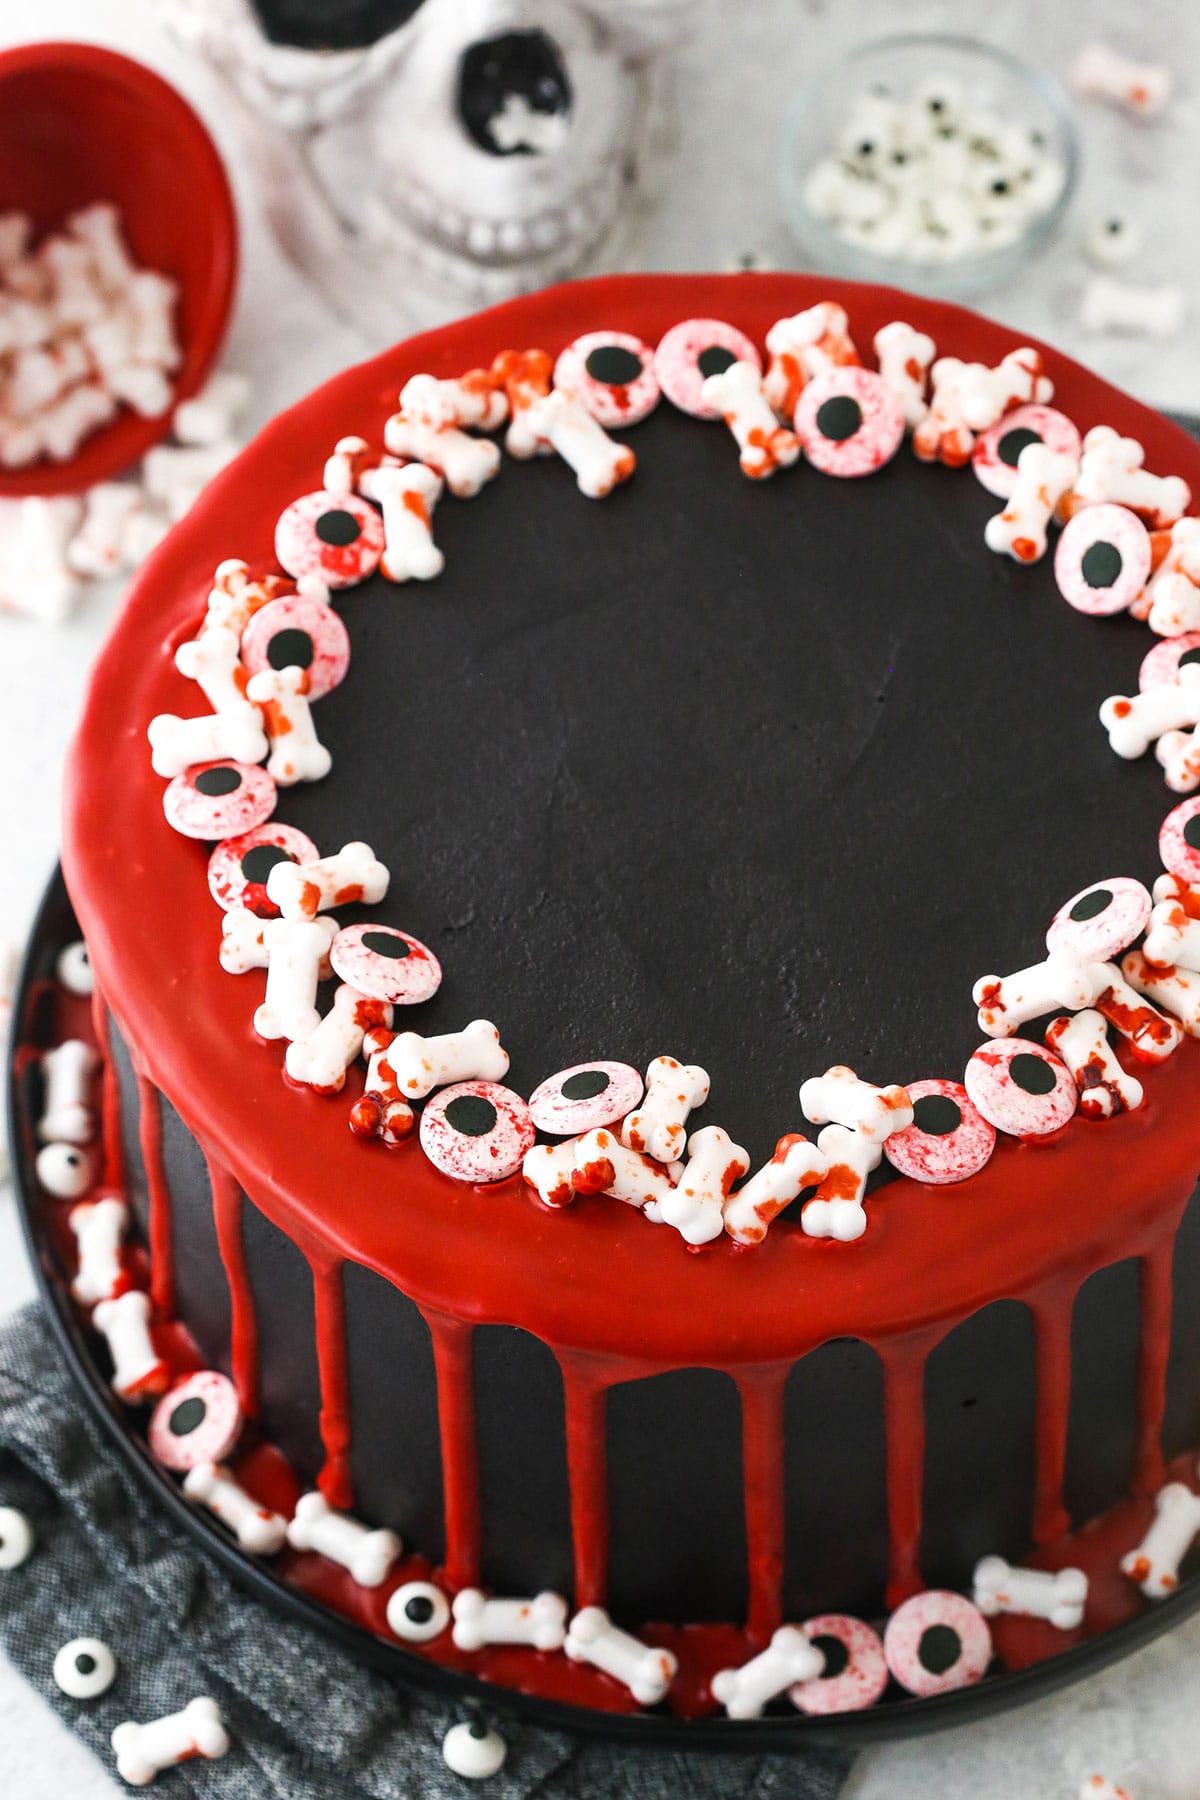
(1140, 1722)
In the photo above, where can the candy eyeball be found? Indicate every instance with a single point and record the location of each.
(1103, 559)
(1179, 842)
(336, 537)
(949, 1140)
(1100, 921)
(418, 1612)
(1020, 1087)
(937, 1642)
(473, 1750)
(74, 969)
(849, 421)
(65, 1170)
(385, 964)
(198, 1421)
(1114, 240)
(998, 449)
(612, 373)
(239, 868)
(302, 633)
(16, 1538)
(219, 800)
(585, 1097)
(477, 1131)
(85, 1668)
(692, 351)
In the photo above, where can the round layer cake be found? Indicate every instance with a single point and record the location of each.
(761, 776)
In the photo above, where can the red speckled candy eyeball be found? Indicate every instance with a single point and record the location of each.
(849, 421)
(238, 868)
(936, 1642)
(692, 351)
(1021, 1088)
(948, 1140)
(337, 537)
(477, 1131)
(219, 800)
(585, 1097)
(856, 1668)
(198, 1421)
(386, 964)
(612, 373)
(302, 633)
(1179, 842)
(1102, 562)
(1100, 921)
(1164, 661)
(996, 451)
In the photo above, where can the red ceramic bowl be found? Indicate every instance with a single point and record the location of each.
(79, 124)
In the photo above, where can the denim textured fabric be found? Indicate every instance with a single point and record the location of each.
(307, 1721)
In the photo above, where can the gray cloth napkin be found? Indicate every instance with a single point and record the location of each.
(308, 1723)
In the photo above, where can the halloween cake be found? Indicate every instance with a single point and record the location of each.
(577, 1182)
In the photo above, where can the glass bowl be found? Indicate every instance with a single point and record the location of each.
(975, 154)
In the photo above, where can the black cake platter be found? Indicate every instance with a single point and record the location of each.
(55, 926)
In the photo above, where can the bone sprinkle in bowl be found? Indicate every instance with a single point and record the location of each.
(938, 163)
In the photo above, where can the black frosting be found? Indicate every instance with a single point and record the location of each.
(760, 775)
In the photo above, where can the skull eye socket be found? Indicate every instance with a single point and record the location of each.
(1100, 921)
(219, 800)
(477, 1131)
(297, 632)
(1021, 1088)
(385, 964)
(238, 869)
(849, 421)
(1103, 560)
(948, 1140)
(692, 351)
(198, 1421)
(994, 459)
(514, 94)
(612, 374)
(585, 1097)
(418, 1611)
(337, 538)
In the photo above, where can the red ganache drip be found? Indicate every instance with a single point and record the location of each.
(162, 1254)
(243, 1330)
(1033, 1225)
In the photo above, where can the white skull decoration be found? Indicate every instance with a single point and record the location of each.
(479, 150)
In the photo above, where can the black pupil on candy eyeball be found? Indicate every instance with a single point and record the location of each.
(585, 1085)
(419, 1609)
(1013, 442)
(1090, 906)
(836, 1656)
(73, 1159)
(478, 1729)
(382, 943)
(839, 418)
(1191, 832)
(258, 862)
(292, 649)
(939, 1649)
(215, 782)
(1032, 1074)
(714, 360)
(1100, 565)
(471, 1115)
(613, 365)
(85, 1662)
(1189, 656)
(338, 528)
(188, 1416)
(936, 1115)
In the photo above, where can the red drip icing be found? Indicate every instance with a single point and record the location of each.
(904, 1441)
(762, 1475)
(110, 1099)
(329, 1317)
(454, 1367)
(587, 1473)
(162, 1253)
(1052, 1347)
(1154, 1351)
(243, 1321)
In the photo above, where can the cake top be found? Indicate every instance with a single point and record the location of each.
(759, 775)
